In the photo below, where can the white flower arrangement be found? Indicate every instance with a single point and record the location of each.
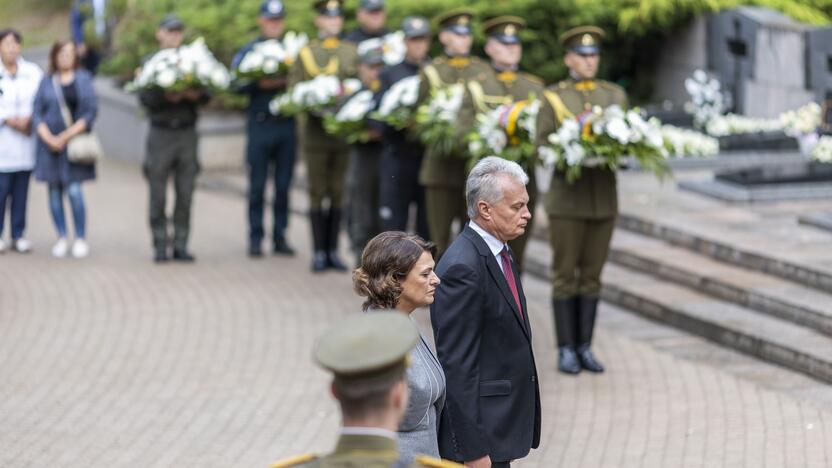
(681, 142)
(436, 119)
(734, 124)
(316, 96)
(391, 44)
(603, 137)
(187, 67)
(398, 103)
(802, 121)
(706, 99)
(271, 57)
(350, 122)
(508, 131)
(822, 152)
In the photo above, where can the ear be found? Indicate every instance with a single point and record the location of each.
(484, 209)
(398, 394)
(333, 391)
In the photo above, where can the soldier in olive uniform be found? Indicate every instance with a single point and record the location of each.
(581, 214)
(505, 86)
(371, 17)
(270, 141)
(367, 355)
(443, 176)
(326, 156)
(171, 151)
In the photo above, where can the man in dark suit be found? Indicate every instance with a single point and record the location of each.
(481, 326)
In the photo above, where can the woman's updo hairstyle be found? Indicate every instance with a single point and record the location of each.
(385, 263)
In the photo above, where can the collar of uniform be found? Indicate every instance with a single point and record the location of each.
(330, 42)
(374, 86)
(507, 76)
(459, 61)
(585, 85)
(368, 439)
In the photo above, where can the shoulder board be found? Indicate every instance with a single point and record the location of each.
(438, 60)
(532, 78)
(293, 461)
(475, 59)
(563, 85)
(431, 462)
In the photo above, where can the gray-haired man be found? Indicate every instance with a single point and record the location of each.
(481, 327)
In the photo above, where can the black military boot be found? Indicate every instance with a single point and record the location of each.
(565, 315)
(318, 223)
(333, 229)
(587, 310)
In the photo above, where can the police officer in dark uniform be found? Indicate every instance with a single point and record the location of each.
(581, 214)
(270, 141)
(443, 176)
(505, 86)
(402, 154)
(171, 151)
(371, 17)
(325, 156)
(363, 175)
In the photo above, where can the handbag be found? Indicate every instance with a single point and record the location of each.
(81, 149)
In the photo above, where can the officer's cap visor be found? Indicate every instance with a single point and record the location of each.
(586, 49)
(461, 29)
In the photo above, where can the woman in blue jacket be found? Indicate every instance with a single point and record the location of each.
(52, 165)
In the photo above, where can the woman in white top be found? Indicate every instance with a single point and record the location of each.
(19, 82)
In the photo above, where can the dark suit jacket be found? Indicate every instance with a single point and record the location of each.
(493, 398)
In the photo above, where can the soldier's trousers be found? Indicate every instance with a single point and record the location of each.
(399, 188)
(171, 153)
(444, 206)
(270, 147)
(580, 248)
(363, 186)
(326, 169)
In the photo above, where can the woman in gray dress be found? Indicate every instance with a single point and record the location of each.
(397, 274)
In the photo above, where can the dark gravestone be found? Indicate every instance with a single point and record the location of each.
(819, 44)
(797, 181)
(811, 172)
(770, 141)
(759, 56)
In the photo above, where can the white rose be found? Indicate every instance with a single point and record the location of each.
(166, 78)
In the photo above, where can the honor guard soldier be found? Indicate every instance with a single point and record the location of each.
(505, 86)
(442, 175)
(363, 179)
(402, 154)
(171, 151)
(368, 357)
(270, 147)
(581, 214)
(371, 18)
(326, 156)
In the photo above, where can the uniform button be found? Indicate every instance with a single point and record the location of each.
(533, 378)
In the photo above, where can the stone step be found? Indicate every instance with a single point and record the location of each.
(757, 291)
(733, 253)
(764, 337)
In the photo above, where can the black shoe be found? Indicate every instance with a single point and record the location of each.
(255, 251)
(281, 247)
(334, 261)
(568, 360)
(161, 256)
(333, 228)
(588, 360)
(182, 255)
(319, 261)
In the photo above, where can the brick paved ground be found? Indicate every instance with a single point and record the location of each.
(114, 361)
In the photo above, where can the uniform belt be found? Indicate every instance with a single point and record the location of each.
(173, 124)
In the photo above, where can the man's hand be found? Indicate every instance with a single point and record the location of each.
(272, 83)
(192, 94)
(173, 97)
(484, 462)
(374, 134)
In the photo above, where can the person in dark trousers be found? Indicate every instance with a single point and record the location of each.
(481, 325)
(270, 147)
(402, 154)
(91, 25)
(363, 173)
(171, 152)
(371, 17)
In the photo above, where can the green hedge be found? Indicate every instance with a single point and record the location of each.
(636, 28)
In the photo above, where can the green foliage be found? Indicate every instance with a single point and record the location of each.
(635, 28)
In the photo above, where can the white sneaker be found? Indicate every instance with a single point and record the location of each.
(60, 248)
(22, 245)
(80, 249)
(3, 246)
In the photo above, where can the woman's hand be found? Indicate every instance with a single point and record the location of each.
(54, 143)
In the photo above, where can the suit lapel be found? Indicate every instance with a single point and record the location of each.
(526, 324)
